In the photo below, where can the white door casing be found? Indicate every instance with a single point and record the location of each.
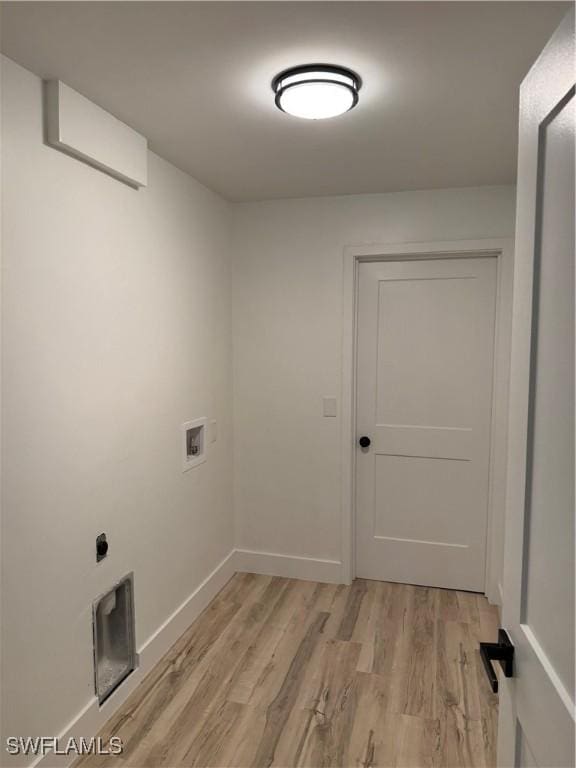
(424, 397)
(536, 725)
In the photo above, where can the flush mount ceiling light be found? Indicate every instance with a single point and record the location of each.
(316, 91)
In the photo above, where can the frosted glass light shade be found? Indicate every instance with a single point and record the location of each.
(316, 92)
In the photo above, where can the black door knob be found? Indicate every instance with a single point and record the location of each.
(364, 441)
(502, 651)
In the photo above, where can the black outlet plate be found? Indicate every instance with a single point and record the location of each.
(101, 547)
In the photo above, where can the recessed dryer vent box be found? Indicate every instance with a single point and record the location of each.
(193, 443)
(114, 637)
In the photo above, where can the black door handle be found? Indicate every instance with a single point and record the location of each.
(502, 651)
(364, 441)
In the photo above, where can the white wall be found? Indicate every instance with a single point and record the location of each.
(116, 328)
(288, 302)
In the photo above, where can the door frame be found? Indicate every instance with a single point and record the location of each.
(503, 250)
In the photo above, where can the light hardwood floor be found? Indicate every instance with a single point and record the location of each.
(295, 673)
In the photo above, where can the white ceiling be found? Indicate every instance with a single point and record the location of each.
(437, 109)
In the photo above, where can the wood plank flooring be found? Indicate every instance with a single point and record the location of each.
(280, 672)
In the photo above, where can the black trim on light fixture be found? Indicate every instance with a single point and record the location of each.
(327, 69)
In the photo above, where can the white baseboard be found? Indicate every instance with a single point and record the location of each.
(289, 566)
(90, 720)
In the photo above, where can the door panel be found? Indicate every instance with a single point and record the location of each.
(425, 349)
(549, 592)
(536, 724)
(404, 487)
(424, 353)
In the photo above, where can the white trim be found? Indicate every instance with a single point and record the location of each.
(90, 720)
(503, 249)
(499, 425)
(289, 566)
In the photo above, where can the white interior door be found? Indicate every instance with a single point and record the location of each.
(537, 704)
(424, 399)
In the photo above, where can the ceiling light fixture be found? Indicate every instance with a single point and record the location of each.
(316, 91)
